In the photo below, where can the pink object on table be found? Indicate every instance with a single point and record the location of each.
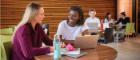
(69, 47)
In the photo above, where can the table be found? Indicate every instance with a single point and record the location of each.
(101, 52)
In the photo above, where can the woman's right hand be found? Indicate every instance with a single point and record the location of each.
(86, 32)
(51, 48)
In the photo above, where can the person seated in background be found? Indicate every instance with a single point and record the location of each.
(121, 24)
(108, 19)
(92, 20)
(29, 35)
(73, 26)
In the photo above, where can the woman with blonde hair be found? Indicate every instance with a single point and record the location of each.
(29, 35)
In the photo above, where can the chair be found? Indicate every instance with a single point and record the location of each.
(6, 31)
(130, 29)
(2, 51)
(5, 37)
(7, 45)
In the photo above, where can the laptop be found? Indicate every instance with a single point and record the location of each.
(92, 27)
(86, 41)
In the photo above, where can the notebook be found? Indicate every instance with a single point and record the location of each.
(74, 54)
(77, 55)
(64, 51)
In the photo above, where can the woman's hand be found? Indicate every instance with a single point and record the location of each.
(63, 45)
(51, 48)
(86, 32)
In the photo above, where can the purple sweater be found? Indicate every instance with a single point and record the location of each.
(27, 42)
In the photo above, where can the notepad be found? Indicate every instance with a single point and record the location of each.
(77, 55)
(74, 54)
(64, 51)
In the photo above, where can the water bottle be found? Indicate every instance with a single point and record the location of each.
(57, 48)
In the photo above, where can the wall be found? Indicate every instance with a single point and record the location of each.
(124, 5)
(55, 10)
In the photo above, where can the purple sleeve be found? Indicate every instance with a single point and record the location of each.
(26, 45)
(46, 39)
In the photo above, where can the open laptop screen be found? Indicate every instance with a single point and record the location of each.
(92, 27)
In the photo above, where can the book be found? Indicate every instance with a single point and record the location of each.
(77, 55)
(64, 51)
(74, 54)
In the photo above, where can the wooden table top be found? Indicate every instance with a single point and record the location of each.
(99, 53)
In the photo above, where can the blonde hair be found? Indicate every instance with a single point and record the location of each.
(30, 12)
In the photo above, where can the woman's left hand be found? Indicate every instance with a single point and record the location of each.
(51, 48)
(86, 32)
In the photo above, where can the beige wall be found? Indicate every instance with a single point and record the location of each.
(124, 5)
